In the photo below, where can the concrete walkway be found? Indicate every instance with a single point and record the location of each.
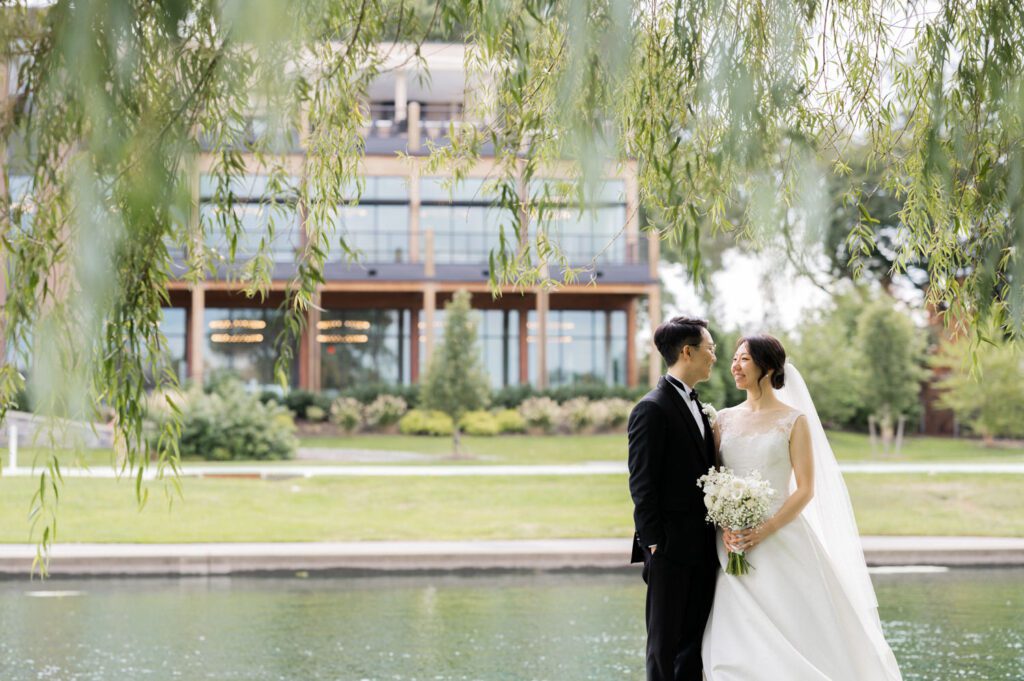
(270, 471)
(410, 557)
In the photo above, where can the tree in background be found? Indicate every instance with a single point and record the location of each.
(990, 402)
(831, 363)
(720, 389)
(891, 352)
(456, 382)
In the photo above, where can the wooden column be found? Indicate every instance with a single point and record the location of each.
(631, 363)
(414, 212)
(632, 216)
(309, 349)
(429, 307)
(414, 346)
(654, 312)
(543, 302)
(196, 333)
(653, 253)
(415, 131)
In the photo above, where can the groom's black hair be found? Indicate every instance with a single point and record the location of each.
(678, 332)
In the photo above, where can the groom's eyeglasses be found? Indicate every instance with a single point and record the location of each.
(712, 347)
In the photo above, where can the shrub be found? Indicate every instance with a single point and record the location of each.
(479, 423)
(512, 396)
(599, 414)
(316, 413)
(540, 412)
(231, 424)
(618, 412)
(577, 413)
(384, 411)
(369, 392)
(347, 412)
(420, 422)
(298, 401)
(510, 421)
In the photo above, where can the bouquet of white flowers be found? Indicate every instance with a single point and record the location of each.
(736, 503)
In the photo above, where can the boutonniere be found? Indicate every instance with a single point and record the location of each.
(710, 412)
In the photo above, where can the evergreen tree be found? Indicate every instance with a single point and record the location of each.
(456, 381)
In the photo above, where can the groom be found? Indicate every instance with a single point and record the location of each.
(670, 446)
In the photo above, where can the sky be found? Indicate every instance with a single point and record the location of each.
(751, 294)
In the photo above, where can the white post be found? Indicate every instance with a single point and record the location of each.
(12, 446)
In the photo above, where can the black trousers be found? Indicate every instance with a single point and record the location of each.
(678, 604)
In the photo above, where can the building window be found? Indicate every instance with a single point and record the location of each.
(583, 346)
(377, 228)
(359, 347)
(466, 225)
(497, 340)
(174, 327)
(255, 212)
(243, 342)
(597, 232)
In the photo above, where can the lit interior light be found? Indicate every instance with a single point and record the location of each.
(342, 338)
(237, 337)
(359, 324)
(238, 324)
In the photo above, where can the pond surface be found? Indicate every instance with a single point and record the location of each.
(964, 624)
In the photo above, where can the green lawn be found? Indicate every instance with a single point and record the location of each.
(324, 509)
(555, 449)
(522, 449)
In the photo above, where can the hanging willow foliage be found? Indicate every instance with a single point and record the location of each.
(735, 113)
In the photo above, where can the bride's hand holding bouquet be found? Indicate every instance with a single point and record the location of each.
(736, 505)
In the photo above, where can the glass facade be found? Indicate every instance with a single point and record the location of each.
(497, 338)
(378, 227)
(174, 327)
(595, 233)
(466, 227)
(242, 341)
(254, 217)
(363, 346)
(584, 346)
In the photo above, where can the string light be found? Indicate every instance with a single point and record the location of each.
(337, 338)
(237, 337)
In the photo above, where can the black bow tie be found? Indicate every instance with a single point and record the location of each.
(679, 384)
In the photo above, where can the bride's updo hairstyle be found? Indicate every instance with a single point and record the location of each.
(769, 355)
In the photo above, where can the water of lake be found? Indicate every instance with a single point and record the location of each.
(962, 624)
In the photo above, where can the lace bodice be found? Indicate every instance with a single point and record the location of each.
(759, 441)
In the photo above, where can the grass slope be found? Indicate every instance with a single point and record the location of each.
(322, 509)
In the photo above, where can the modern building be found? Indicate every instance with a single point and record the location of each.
(380, 317)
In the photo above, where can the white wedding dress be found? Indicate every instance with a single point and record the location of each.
(792, 617)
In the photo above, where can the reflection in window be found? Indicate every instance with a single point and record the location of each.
(174, 327)
(497, 340)
(584, 346)
(363, 346)
(255, 213)
(466, 226)
(597, 231)
(242, 341)
(378, 227)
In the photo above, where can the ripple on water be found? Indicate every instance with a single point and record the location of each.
(943, 626)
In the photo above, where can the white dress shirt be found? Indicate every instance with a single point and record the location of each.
(694, 408)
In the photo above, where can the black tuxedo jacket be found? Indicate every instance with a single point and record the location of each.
(667, 454)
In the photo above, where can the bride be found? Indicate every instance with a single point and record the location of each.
(806, 611)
